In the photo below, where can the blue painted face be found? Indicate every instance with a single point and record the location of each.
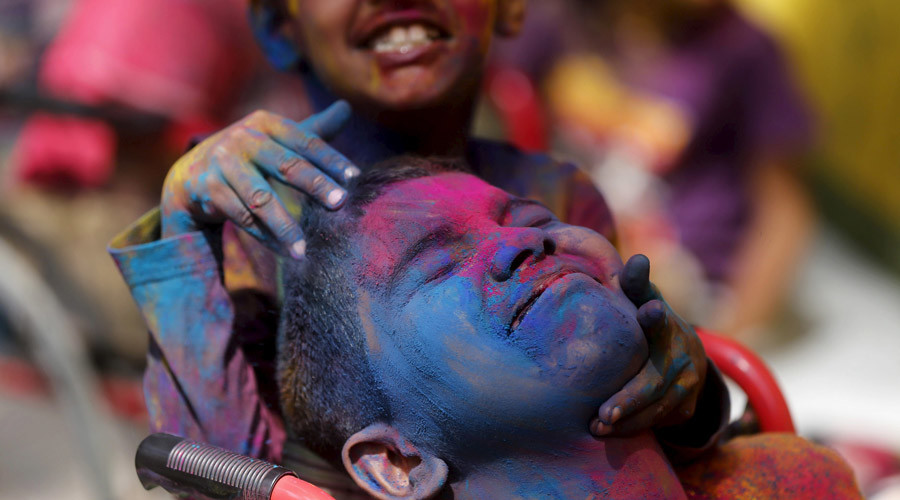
(496, 328)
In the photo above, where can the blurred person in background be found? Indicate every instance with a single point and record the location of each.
(96, 98)
(690, 100)
(116, 96)
(845, 54)
(852, 78)
(692, 122)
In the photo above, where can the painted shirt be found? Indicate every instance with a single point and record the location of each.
(211, 303)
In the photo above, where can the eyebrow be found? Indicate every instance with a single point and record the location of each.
(514, 203)
(429, 240)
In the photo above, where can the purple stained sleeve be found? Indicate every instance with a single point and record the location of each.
(197, 384)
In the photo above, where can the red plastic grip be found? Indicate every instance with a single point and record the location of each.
(291, 488)
(753, 376)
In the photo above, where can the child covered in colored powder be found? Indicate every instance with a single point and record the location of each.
(429, 347)
(209, 290)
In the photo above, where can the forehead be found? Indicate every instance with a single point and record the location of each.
(448, 196)
(408, 210)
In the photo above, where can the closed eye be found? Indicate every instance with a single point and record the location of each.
(534, 217)
(441, 272)
(526, 213)
(541, 221)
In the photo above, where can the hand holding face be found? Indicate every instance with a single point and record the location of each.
(226, 177)
(666, 389)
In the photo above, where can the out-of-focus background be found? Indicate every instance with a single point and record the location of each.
(751, 149)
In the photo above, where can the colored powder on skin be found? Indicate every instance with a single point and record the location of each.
(461, 384)
(453, 333)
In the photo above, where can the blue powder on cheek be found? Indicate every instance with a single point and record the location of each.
(426, 337)
(455, 378)
(462, 387)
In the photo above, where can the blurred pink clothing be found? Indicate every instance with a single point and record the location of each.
(185, 60)
(177, 58)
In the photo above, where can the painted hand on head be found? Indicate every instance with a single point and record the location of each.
(666, 389)
(226, 177)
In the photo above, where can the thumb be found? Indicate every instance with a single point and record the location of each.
(635, 280)
(330, 121)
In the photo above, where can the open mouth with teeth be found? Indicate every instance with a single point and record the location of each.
(404, 39)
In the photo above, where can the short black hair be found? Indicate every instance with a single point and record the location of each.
(328, 390)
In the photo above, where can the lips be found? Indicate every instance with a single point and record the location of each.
(400, 31)
(538, 290)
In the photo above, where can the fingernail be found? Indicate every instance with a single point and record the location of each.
(336, 196)
(615, 414)
(598, 428)
(298, 249)
(654, 312)
(351, 172)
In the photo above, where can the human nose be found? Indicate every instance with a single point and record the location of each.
(513, 251)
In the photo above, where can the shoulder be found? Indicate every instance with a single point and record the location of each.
(559, 185)
(771, 466)
(514, 170)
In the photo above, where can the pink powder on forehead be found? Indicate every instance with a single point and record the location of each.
(408, 209)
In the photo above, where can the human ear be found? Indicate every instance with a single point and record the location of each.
(274, 36)
(510, 17)
(388, 467)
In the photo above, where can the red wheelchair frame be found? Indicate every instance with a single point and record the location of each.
(753, 377)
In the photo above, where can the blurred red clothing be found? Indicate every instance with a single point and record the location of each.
(177, 58)
(185, 60)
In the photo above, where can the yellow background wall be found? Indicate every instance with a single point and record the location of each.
(847, 57)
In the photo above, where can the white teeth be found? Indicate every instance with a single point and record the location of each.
(404, 38)
(398, 35)
(417, 33)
